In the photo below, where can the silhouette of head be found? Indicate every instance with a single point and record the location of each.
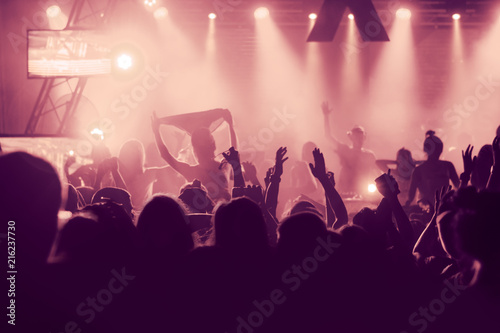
(203, 144)
(406, 164)
(132, 156)
(481, 172)
(303, 207)
(239, 225)
(298, 234)
(433, 146)
(195, 196)
(117, 195)
(498, 131)
(101, 235)
(478, 229)
(80, 240)
(30, 196)
(164, 226)
(120, 237)
(357, 135)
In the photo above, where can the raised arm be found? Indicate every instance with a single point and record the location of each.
(333, 197)
(469, 163)
(494, 180)
(229, 119)
(388, 187)
(182, 168)
(274, 181)
(428, 242)
(326, 115)
(233, 158)
(117, 177)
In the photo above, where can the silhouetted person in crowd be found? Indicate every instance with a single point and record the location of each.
(482, 167)
(433, 174)
(208, 170)
(302, 181)
(30, 198)
(138, 179)
(357, 163)
(163, 226)
(404, 166)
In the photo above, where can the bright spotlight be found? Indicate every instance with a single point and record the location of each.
(160, 13)
(97, 132)
(53, 11)
(313, 16)
(456, 16)
(124, 61)
(71, 153)
(212, 16)
(404, 13)
(261, 12)
(350, 16)
(150, 3)
(372, 188)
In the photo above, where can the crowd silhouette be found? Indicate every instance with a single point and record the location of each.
(222, 254)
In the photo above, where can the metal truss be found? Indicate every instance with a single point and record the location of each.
(85, 14)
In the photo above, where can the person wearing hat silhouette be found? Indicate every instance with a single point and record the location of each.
(358, 167)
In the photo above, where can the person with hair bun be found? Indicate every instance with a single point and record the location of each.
(433, 174)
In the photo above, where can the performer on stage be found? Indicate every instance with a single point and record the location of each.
(199, 125)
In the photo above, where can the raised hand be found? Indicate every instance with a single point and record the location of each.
(496, 151)
(232, 156)
(269, 174)
(469, 162)
(319, 168)
(387, 185)
(280, 159)
(326, 108)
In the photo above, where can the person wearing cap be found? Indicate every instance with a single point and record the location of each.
(358, 167)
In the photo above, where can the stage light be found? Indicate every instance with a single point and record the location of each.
(150, 3)
(261, 12)
(53, 11)
(71, 153)
(212, 16)
(456, 16)
(350, 16)
(160, 13)
(372, 188)
(124, 61)
(313, 16)
(404, 13)
(98, 133)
